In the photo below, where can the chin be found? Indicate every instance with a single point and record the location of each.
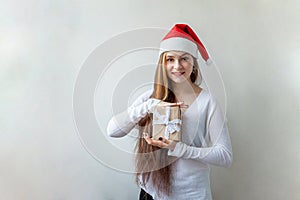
(178, 81)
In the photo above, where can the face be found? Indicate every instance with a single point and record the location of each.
(179, 66)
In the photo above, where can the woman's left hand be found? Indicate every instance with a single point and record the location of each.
(162, 143)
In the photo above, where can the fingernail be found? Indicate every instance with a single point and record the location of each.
(160, 138)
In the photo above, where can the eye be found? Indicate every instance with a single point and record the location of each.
(185, 58)
(170, 59)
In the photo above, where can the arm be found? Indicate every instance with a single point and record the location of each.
(220, 152)
(121, 124)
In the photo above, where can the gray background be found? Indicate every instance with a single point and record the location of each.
(43, 45)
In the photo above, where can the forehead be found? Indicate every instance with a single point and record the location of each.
(177, 53)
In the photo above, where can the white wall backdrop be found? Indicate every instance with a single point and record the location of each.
(43, 45)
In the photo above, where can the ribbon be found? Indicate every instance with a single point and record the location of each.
(171, 126)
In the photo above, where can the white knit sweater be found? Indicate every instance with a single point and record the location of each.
(205, 141)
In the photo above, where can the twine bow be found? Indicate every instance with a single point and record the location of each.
(171, 126)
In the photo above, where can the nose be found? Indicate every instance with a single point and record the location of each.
(177, 64)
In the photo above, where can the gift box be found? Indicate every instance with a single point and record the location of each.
(166, 122)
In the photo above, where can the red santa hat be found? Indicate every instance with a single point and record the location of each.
(182, 38)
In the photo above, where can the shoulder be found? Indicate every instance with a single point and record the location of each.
(208, 99)
(212, 104)
(207, 95)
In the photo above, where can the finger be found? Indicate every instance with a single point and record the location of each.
(151, 142)
(164, 145)
(184, 106)
(167, 141)
(147, 138)
(164, 140)
(159, 143)
(169, 144)
(179, 103)
(173, 104)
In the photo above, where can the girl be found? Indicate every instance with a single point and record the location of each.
(177, 170)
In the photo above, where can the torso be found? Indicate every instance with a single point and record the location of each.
(191, 177)
(190, 98)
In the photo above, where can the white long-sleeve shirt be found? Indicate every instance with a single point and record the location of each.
(205, 141)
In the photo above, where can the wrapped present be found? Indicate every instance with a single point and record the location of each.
(166, 122)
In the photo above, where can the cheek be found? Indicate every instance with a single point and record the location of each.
(168, 69)
(189, 69)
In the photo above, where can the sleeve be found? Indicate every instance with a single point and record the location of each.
(122, 123)
(220, 151)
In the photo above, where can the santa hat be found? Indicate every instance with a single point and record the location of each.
(182, 38)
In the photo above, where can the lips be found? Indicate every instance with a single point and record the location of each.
(178, 73)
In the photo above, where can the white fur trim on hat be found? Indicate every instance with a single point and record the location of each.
(179, 44)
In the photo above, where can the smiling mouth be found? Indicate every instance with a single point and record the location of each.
(178, 73)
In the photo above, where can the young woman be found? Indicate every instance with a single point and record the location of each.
(177, 170)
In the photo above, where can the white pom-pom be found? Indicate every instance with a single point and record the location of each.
(208, 62)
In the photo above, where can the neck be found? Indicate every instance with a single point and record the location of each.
(184, 88)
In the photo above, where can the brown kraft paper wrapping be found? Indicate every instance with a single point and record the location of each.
(166, 122)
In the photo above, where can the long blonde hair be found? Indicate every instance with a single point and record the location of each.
(153, 163)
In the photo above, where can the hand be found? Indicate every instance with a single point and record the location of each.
(181, 104)
(151, 103)
(162, 142)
